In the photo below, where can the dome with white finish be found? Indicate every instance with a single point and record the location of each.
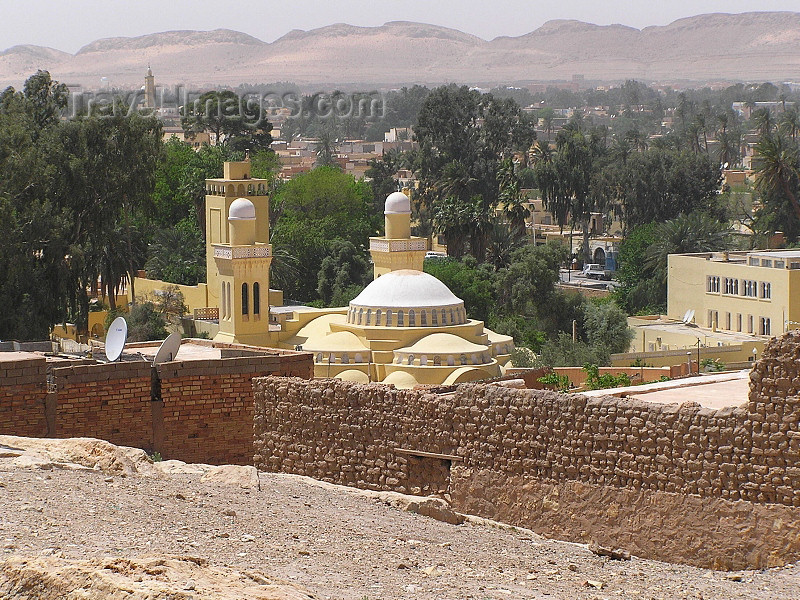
(397, 203)
(241, 209)
(406, 298)
(406, 288)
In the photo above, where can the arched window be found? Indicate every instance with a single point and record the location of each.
(345, 358)
(360, 315)
(319, 357)
(245, 299)
(256, 298)
(423, 360)
(369, 319)
(410, 359)
(423, 318)
(359, 358)
(437, 361)
(229, 298)
(463, 359)
(434, 318)
(412, 318)
(452, 317)
(451, 361)
(444, 317)
(224, 303)
(388, 318)
(378, 317)
(474, 359)
(400, 319)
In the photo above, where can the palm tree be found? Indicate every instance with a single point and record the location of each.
(790, 123)
(779, 172)
(696, 232)
(511, 198)
(764, 121)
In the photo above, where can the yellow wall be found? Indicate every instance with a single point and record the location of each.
(687, 289)
(194, 296)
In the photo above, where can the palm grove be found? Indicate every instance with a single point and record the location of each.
(101, 196)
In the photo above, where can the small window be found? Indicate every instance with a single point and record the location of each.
(437, 361)
(388, 318)
(378, 317)
(766, 263)
(423, 318)
(400, 318)
(412, 318)
(256, 299)
(245, 300)
(739, 322)
(780, 264)
(753, 262)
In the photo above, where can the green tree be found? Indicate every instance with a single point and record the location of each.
(230, 120)
(343, 269)
(607, 325)
(696, 232)
(471, 282)
(177, 254)
(145, 323)
(314, 209)
(778, 186)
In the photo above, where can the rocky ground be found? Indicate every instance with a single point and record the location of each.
(85, 520)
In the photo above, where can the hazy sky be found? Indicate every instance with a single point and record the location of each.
(68, 25)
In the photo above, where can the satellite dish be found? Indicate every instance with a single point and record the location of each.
(115, 339)
(168, 350)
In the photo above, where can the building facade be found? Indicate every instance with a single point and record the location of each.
(755, 293)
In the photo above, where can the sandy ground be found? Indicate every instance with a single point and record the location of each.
(333, 541)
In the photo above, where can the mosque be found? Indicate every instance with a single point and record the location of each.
(405, 328)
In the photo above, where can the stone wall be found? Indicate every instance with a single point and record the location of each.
(23, 392)
(659, 479)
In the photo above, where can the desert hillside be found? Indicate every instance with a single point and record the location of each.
(714, 47)
(85, 519)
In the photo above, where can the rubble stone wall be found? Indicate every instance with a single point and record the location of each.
(498, 445)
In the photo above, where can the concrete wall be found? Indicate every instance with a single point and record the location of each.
(714, 488)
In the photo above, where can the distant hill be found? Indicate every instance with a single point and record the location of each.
(753, 46)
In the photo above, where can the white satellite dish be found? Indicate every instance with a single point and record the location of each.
(115, 339)
(169, 349)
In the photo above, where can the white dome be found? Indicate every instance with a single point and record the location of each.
(397, 203)
(406, 289)
(241, 209)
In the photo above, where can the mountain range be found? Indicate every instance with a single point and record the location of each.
(756, 46)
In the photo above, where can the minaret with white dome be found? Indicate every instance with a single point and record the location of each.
(397, 250)
(243, 267)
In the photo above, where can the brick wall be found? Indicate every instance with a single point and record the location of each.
(204, 414)
(22, 394)
(107, 401)
(509, 451)
(208, 405)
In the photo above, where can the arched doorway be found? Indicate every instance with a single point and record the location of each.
(600, 257)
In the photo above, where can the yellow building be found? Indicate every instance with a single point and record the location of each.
(755, 293)
(405, 328)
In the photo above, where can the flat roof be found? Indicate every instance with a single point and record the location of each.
(674, 326)
(715, 391)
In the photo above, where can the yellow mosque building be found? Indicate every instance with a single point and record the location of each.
(405, 328)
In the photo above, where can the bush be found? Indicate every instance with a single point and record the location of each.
(596, 381)
(557, 382)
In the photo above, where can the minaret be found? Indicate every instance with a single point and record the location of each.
(397, 249)
(220, 195)
(149, 89)
(243, 280)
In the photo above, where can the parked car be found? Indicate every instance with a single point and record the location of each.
(435, 255)
(595, 271)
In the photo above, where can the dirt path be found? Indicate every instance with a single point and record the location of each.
(335, 542)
